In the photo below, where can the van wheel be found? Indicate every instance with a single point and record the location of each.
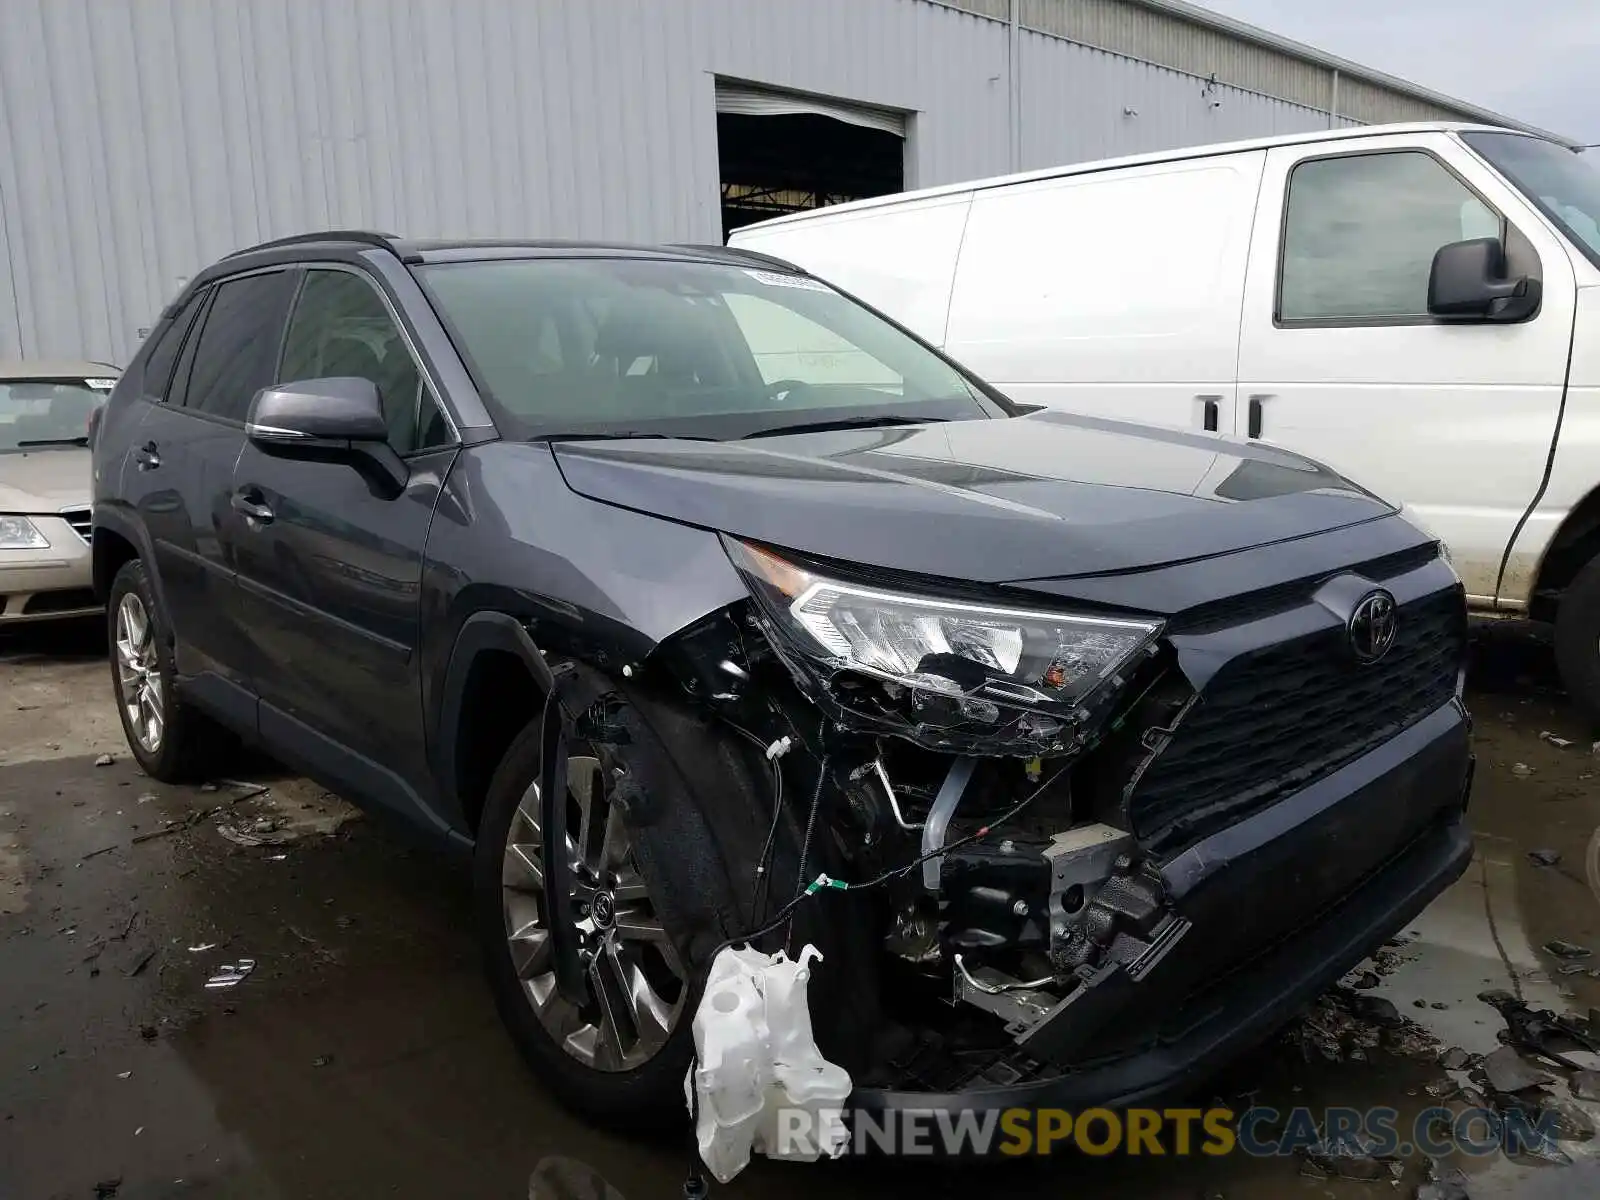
(619, 1052)
(170, 740)
(1578, 640)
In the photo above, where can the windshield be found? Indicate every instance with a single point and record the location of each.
(648, 346)
(46, 412)
(1565, 186)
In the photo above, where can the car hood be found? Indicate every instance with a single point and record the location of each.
(1048, 495)
(44, 480)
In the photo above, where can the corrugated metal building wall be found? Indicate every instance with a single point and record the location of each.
(139, 141)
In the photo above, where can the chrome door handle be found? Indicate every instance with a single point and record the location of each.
(251, 509)
(146, 458)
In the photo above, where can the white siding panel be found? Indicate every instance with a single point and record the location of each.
(1075, 101)
(1158, 37)
(142, 139)
(1373, 105)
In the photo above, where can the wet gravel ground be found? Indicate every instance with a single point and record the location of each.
(362, 1057)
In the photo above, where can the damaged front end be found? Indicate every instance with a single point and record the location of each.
(1016, 905)
(929, 746)
(951, 675)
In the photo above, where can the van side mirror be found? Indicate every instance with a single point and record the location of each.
(1468, 281)
(337, 419)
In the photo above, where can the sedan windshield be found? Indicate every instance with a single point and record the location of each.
(655, 347)
(1565, 186)
(38, 413)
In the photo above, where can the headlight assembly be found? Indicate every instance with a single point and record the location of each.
(952, 671)
(19, 533)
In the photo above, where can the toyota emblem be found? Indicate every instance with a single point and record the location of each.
(1372, 626)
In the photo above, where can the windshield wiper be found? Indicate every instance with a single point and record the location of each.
(82, 440)
(825, 423)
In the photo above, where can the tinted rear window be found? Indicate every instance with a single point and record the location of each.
(237, 353)
(164, 353)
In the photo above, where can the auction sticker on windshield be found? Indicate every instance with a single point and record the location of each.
(778, 279)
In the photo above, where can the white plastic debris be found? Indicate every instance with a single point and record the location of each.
(231, 974)
(761, 1084)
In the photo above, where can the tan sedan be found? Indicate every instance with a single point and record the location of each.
(46, 568)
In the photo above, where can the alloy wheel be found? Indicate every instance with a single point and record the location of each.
(139, 674)
(635, 987)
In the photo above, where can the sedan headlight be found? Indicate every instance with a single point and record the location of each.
(947, 670)
(19, 533)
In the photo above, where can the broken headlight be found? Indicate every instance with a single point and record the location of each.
(944, 662)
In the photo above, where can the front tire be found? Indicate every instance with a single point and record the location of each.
(170, 740)
(1577, 640)
(618, 1057)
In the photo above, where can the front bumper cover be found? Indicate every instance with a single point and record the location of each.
(50, 582)
(1425, 769)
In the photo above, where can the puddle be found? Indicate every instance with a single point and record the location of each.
(362, 1055)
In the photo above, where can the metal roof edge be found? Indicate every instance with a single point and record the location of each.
(1185, 11)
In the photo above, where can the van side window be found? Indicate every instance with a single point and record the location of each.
(1360, 233)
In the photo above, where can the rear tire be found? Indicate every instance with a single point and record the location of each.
(1578, 640)
(636, 1082)
(170, 740)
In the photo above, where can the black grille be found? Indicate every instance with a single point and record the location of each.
(58, 602)
(1277, 719)
(79, 519)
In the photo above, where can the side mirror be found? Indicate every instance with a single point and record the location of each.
(340, 408)
(337, 419)
(1469, 280)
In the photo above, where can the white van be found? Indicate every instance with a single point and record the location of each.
(1417, 306)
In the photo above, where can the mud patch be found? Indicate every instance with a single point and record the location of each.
(13, 882)
(281, 813)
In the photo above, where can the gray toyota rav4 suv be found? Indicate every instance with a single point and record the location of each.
(664, 581)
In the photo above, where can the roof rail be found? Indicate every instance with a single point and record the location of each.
(770, 260)
(383, 241)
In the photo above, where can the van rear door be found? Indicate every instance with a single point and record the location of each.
(1340, 360)
(1114, 293)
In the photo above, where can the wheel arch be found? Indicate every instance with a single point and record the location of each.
(1575, 544)
(495, 683)
(116, 541)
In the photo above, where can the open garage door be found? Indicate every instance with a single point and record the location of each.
(781, 152)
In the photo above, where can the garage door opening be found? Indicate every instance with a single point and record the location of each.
(780, 153)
